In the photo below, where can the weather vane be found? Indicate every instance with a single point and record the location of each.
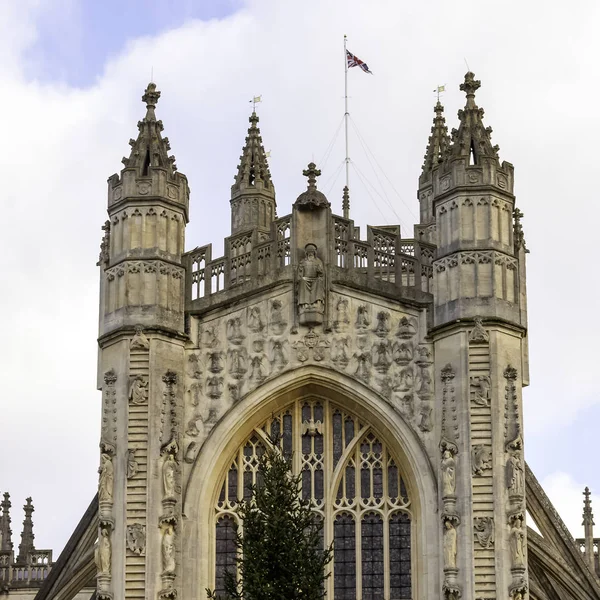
(254, 101)
(438, 90)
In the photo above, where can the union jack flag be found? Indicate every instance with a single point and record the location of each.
(354, 61)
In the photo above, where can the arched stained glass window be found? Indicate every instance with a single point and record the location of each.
(356, 486)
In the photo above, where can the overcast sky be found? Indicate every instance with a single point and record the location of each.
(72, 73)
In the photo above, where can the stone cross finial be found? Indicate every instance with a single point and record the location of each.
(151, 95)
(471, 85)
(312, 173)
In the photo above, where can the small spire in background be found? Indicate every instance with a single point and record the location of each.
(588, 525)
(26, 546)
(6, 544)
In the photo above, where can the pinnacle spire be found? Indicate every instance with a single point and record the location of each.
(588, 527)
(439, 140)
(150, 149)
(472, 139)
(588, 517)
(6, 544)
(253, 167)
(26, 546)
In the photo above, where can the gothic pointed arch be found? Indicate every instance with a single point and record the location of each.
(360, 462)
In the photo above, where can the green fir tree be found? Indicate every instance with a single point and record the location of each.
(280, 543)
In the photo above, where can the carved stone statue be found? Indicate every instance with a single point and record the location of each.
(484, 531)
(132, 465)
(514, 475)
(138, 391)
(168, 549)
(517, 543)
(255, 322)
(277, 323)
(342, 320)
(449, 545)
(363, 320)
(481, 458)
(107, 477)
(311, 288)
(168, 474)
(448, 474)
(136, 538)
(103, 552)
(481, 390)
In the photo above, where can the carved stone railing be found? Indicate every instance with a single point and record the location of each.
(581, 543)
(31, 573)
(402, 267)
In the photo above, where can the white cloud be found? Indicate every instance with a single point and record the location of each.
(60, 145)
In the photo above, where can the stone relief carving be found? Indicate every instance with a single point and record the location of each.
(403, 380)
(312, 427)
(383, 324)
(478, 334)
(136, 538)
(382, 356)
(481, 458)
(103, 552)
(342, 320)
(403, 353)
(208, 336)
(215, 362)
(255, 322)
(235, 334)
(484, 531)
(107, 478)
(406, 329)
(424, 380)
(139, 341)
(277, 322)
(340, 352)
(214, 386)
(278, 355)
(238, 362)
(194, 366)
(311, 345)
(258, 370)
(363, 318)
(138, 390)
(362, 360)
(480, 390)
(407, 406)
(311, 288)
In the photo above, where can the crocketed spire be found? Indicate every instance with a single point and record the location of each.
(26, 546)
(253, 165)
(6, 544)
(472, 138)
(439, 140)
(588, 526)
(150, 149)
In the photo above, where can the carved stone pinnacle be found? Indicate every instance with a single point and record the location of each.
(312, 173)
(471, 85)
(151, 95)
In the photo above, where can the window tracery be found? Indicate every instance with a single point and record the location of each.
(356, 486)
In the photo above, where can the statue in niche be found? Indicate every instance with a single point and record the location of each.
(517, 542)
(403, 353)
(481, 390)
(424, 381)
(278, 355)
(342, 320)
(363, 319)
(515, 476)
(448, 474)
(481, 458)
(449, 544)
(311, 287)
(382, 356)
(406, 329)
(215, 362)
(484, 531)
(215, 386)
(383, 323)
(234, 330)
(132, 465)
(255, 322)
(138, 390)
(103, 552)
(257, 370)
(168, 549)
(339, 352)
(238, 363)
(277, 322)
(107, 477)
(168, 475)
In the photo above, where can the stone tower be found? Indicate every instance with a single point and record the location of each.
(479, 328)
(142, 341)
(391, 366)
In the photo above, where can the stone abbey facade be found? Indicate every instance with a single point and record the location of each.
(392, 367)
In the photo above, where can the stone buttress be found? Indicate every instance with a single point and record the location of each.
(141, 353)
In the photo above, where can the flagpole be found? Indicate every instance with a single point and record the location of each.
(346, 115)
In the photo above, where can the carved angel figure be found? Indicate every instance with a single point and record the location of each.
(405, 329)
(382, 356)
(138, 391)
(277, 322)
(448, 474)
(234, 330)
(403, 353)
(383, 324)
(339, 352)
(481, 458)
(481, 390)
(255, 322)
(424, 380)
(363, 320)
(342, 319)
(484, 531)
(258, 372)
(278, 355)
(107, 477)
